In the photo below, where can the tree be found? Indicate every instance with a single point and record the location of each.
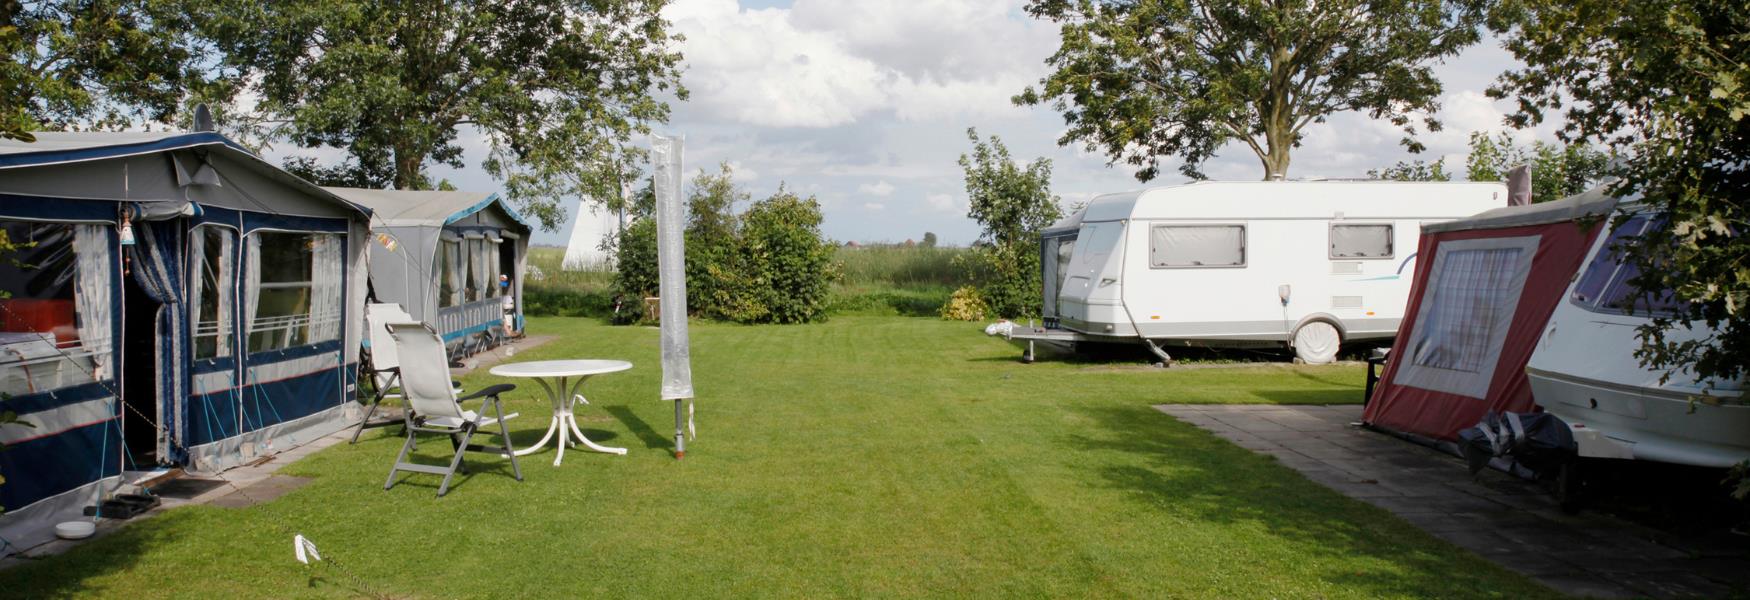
(1413, 171)
(1662, 84)
(929, 240)
(1143, 79)
(557, 89)
(97, 65)
(1557, 170)
(788, 263)
(713, 279)
(1012, 204)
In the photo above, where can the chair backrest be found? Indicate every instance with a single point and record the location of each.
(425, 370)
(383, 354)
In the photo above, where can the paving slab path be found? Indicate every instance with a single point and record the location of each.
(1508, 520)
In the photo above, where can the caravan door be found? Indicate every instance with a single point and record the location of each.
(1090, 301)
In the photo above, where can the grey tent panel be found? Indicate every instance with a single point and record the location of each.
(1593, 203)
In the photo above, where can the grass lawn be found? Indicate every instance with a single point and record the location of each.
(862, 457)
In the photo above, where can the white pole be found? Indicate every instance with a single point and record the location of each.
(671, 252)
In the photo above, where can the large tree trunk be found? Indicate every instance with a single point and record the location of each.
(1275, 157)
(407, 164)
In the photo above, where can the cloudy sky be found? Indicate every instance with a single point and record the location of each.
(865, 105)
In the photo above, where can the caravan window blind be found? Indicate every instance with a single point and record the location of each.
(1361, 241)
(448, 269)
(213, 252)
(1190, 246)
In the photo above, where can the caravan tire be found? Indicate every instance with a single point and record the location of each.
(1316, 342)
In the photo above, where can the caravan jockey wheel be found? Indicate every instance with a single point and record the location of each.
(1316, 342)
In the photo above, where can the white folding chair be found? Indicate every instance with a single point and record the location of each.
(384, 369)
(434, 408)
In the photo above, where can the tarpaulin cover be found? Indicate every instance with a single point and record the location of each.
(671, 253)
(1399, 404)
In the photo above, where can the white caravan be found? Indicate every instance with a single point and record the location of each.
(1585, 372)
(1307, 264)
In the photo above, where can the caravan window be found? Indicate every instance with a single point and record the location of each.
(293, 292)
(213, 256)
(55, 316)
(1182, 246)
(1608, 286)
(1361, 241)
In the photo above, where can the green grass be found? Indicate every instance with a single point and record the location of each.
(871, 457)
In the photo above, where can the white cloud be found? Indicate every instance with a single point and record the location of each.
(823, 63)
(874, 206)
(879, 188)
(944, 202)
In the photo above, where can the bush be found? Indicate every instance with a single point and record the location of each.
(787, 267)
(964, 305)
(1007, 277)
(770, 265)
(635, 260)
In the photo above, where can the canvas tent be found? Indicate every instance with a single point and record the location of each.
(593, 225)
(1484, 289)
(227, 329)
(440, 254)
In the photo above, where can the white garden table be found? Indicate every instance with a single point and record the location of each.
(563, 380)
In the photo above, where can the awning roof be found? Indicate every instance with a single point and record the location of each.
(59, 147)
(408, 208)
(1596, 202)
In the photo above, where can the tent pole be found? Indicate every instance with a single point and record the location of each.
(680, 428)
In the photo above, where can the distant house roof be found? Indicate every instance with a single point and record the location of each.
(410, 208)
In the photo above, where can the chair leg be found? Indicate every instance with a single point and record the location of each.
(400, 458)
(504, 434)
(456, 463)
(370, 412)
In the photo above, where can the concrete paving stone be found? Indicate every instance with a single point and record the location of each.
(1535, 564)
(1252, 424)
(1587, 586)
(1363, 491)
(1480, 541)
(1417, 512)
(1671, 584)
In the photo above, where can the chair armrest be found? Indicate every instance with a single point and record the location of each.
(490, 391)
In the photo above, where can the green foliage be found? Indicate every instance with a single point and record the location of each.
(966, 304)
(1146, 79)
(788, 263)
(96, 65)
(929, 240)
(1012, 204)
(715, 281)
(636, 276)
(1663, 84)
(558, 89)
(1557, 171)
(1413, 171)
(898, 266)
(769, 265)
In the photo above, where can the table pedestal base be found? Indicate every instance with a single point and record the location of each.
(565, 423)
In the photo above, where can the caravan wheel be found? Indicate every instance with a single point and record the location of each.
(1316, 343)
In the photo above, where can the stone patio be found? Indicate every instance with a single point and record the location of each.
(1505, 519)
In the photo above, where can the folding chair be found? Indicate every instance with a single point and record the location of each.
(434, 408)
(384, 370)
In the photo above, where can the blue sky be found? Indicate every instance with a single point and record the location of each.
(865, 105)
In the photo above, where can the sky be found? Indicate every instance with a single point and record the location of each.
(865, 105)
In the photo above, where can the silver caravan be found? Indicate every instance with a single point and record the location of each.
(1303, 264)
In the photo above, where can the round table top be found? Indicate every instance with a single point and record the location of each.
(559, 368)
